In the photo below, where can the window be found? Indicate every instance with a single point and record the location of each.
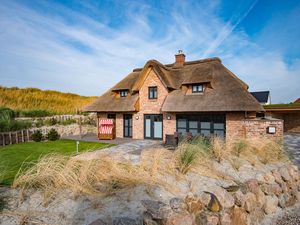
(197, 88)
(152, 94)
(123, 93)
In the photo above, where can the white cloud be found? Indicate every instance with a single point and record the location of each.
(87, 56)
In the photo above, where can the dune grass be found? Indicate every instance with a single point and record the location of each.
(12, 157)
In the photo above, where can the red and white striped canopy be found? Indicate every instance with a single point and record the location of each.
(106, 126)
(105, 130)
(106, 122)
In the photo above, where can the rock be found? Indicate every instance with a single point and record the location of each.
(225, 218)
(177, 205)
(239, 198)
(214, 204)
(284, 187)
(252, 185)
(99, 222)
(285, 174)
(266, 189)
(239, 216)
(147, 219)
(270, 204)
(225, 198)
(250, 202)
(269, 178)
(256, 216)
(206, 218)
(181, 219)
(276, 189)
(205, 198)
(297, 196)
(293, 171)
(277, 176)
(125, 221)
(157, 209)
(260, 178)
(193, 204)
(260, 199)
(232, 188)
(289, 199)
(281, 201)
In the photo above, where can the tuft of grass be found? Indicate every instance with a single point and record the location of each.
(238, 146)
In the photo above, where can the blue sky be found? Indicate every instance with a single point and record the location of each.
(85, 47)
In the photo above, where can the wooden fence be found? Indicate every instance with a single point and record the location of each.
(8, 138)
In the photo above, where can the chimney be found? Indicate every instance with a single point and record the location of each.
(179, 59)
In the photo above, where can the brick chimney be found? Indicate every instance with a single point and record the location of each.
(179, 59)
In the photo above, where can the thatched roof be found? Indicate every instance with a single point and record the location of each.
(225, 92)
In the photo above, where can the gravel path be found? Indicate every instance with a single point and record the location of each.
(291, 217)
(292, 142)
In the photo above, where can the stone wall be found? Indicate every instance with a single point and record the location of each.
(291, 121)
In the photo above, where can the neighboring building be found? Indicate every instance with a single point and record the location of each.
(297, 101)
(200, 97)
(263, 97)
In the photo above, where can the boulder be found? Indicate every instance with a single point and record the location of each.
(281, 201)
(277, 176)
(239, 216)
(148, 220)
(157, 209)
(206, 218)
(266, 188)
(205, 198)
(252, 185)
(181, 219)
(193, 204)
(99, 222)
(214, 204)
(276, 189)
(250, 202)
(293, 171)
(239, 198)
(289, 199)
(125, 221)
(260, 199)
(225, 218)
(270, 204)
(225, 198)
(256, 216)
(285, 174)
(284, 187)
(177, 205)
(269, 178)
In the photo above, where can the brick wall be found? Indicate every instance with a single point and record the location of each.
(237, 126)
(291, 121)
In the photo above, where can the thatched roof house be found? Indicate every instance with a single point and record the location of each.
(194, 96)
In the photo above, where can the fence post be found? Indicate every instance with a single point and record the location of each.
(17, 139)
(27, 131)
(22, 132)
(3, 140)
(10, 141)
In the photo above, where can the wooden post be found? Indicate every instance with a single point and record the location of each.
(17, 139)
(28, 136)
(3, 140)
(22, 132)
(80, 128)
(10, 141)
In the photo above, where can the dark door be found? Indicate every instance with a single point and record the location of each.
(153, 126)
(128, 125)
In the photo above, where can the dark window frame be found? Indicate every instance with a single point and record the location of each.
(123, 93)
(127, 127)
(153, 90)
(196, 86)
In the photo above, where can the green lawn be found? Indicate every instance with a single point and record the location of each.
(13, 156)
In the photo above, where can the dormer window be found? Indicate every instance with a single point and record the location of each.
(197, 88)
(123, 93)
(152, 93)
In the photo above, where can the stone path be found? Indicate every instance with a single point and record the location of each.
(292, 142)
(130, 151)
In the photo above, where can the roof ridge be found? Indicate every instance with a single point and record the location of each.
(186, 63)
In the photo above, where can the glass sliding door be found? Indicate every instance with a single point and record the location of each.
(153, 127)
(127, 125)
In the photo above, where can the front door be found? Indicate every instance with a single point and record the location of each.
(153, 126)
(128, 125)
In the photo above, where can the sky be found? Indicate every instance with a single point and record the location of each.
(85, 47)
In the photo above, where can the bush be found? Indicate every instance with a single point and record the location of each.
(53, 135)
(37, 136)
(6, 114)
(13, 125)
(35, 113)
(50, 122)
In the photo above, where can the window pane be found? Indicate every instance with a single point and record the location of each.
(148, 128)
(126, 122)
(219, 133)
(219, 126)
(157, 129)
(200, 88)
(194, 132)
(130, 132)
(182, 123)
(182, 131)
(193, 124)
(205, 133)
(155, 93)
(205, 125)
(126, 132)
(194, 88)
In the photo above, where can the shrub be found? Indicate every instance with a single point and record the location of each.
(35, 113)
(37, 136)
(39, 122)
(50, 122)
(239, 146)
(13, 125)
(53, 135)
(6, 114)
